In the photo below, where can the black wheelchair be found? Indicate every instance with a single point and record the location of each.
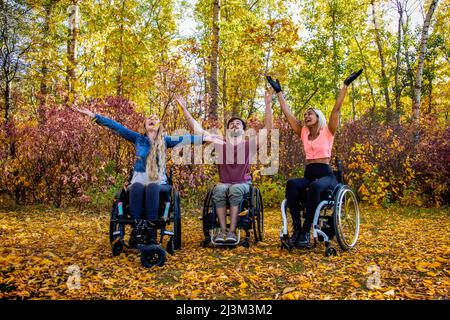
(250, 218)
(336, 215)
(146, 238)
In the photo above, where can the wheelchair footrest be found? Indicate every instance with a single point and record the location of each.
(225, 243)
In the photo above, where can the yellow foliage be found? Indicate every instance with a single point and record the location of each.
(38, 247)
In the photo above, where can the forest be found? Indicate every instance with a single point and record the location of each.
(128, 59)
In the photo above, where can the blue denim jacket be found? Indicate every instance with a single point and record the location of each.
(142, 142)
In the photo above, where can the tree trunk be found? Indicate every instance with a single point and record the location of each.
(335, 54)
(214, 87)
(7, 99)
(72, 44)
(43, 88)
(353, 103)
(120, 68)
(372, 93)
(206, 97)
(224, 93)
(384, 78)
(397, 67)
(226, 112)
(430, 98)
(423, 48)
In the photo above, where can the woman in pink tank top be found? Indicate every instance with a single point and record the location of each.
(317, 137)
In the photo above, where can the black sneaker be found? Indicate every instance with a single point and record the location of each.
(303, 240)
(294, 239)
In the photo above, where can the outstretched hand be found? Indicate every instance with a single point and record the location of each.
(214, 138)
(85, 111)
(352, 77)
(275, 84)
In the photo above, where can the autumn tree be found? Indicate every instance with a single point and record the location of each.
(421, 58)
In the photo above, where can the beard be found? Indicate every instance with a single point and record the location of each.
(234, 133)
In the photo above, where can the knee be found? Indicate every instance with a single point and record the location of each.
(219, 196)
(236, 195)
(236, 190)
(152, 187)
(290, 184)
(314, 189)
(294, 188)
(136, 187)
(219, 190)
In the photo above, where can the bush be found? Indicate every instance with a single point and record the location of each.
(391, 163)
(61, 160)
(67, 160)
(273, 190)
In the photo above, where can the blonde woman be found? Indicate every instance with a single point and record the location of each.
(149, 173)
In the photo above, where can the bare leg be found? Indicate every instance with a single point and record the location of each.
(234, 217)
(222, 215)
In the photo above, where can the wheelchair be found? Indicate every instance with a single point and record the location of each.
(336, 215)
(146, 238)
(250, 218)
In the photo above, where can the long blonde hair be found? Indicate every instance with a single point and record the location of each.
(156, 160)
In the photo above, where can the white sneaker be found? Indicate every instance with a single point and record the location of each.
(231, 237)
(220, 237)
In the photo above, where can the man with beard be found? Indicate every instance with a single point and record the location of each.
(234, 158)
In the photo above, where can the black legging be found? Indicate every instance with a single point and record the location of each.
(154, 194)
(318, 177)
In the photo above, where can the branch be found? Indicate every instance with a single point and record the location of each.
(253, 4)
(310, 97)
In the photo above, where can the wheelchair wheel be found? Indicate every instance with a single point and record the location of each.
(115, 229)
(152, 255)
(346, 218)
(207, 215)
(117, 247)
(170, 248)
(177, 221)
(330, 252)
(260, 217)
(257, 215)
(253, 212)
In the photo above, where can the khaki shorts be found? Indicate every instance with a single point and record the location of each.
(235, 193)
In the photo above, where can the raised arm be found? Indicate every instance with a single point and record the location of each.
(334, 117)
(293, 122)
(192, 122)
(268, 119)
(124, 132)
(207, 137)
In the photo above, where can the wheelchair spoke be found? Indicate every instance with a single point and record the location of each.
(351, 225)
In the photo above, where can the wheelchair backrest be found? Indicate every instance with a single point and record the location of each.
(338, 173)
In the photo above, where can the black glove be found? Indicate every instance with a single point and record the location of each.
(275, 84)
(352, 77)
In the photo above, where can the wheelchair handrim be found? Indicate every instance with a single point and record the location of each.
(342, 208)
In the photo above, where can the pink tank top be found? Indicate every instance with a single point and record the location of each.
(319, 147)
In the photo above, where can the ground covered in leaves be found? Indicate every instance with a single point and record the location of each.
(41, 248)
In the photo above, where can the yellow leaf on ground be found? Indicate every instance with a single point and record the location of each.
(288, 289)
(243, 285)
